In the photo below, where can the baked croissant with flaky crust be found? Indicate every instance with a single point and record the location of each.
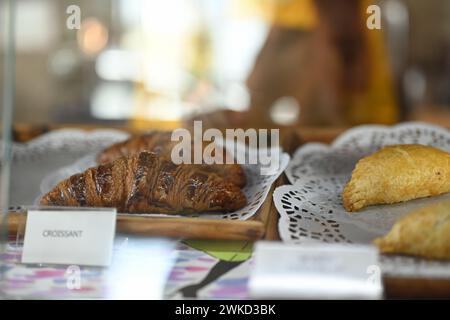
(424, 233)
(160, 143)
(397, 173)
(147, 183)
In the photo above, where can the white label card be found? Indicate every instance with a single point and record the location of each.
(315, 271)
(79, 237)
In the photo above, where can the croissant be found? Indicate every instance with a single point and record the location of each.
(160, 142)
(147, 183)
(424, 233)
(397, 173)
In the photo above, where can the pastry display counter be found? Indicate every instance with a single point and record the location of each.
(238, 150)
(237, 241)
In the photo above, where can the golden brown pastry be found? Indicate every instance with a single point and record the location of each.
(424, 233)
(397, 173)
(147, 182)
(160, 143)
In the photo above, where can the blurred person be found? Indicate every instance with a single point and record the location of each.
(321, 53)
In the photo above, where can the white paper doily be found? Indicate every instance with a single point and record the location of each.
(66, 140)
(311, 208)
(256, 189)
(34, 160)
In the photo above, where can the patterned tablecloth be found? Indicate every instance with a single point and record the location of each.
(142, 268)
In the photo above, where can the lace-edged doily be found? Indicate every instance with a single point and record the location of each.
(71, 140)
(311, 208)
(33, 160)
(256, 189)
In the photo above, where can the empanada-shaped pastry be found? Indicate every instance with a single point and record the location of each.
(424, 233)
(397, 173)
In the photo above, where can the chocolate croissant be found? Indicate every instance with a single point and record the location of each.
(160, 143)
(147, 183)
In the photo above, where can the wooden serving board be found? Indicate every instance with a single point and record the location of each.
(183, 228)
(394, 288)
(262, 225)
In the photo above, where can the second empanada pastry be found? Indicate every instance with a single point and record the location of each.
(424, 233)
(397, 173)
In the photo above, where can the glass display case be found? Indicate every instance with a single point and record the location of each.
(8, 89)
(80, 79)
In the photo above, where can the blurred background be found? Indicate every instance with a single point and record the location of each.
(262, 63)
